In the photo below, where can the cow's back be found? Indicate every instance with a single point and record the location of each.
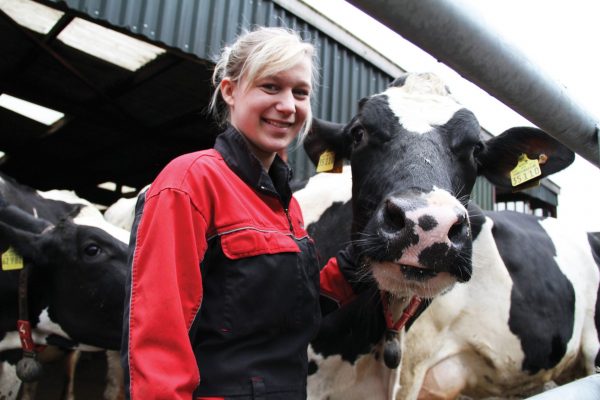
(30, 201)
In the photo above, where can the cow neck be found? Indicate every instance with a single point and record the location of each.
(236, 153)
(391, 347)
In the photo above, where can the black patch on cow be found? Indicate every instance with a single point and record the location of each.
(352, 330)
(332, 231)
(434, 256)
(312, 367)
(594, 240)
(542, 298)
(427, 222)
(59, 341)
(399, 81)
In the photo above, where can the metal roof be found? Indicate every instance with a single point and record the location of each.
(124, 126)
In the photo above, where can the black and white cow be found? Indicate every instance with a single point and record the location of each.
(415, 154)
(77, 265)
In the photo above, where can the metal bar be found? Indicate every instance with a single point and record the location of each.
(448, 32)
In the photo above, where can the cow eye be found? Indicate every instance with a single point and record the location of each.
(477, 148)
(358, 134)
(92, 250)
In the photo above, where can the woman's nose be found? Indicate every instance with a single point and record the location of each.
(286, 102)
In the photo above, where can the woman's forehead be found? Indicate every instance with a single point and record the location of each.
(300, 73)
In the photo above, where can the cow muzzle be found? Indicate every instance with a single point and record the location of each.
(420, 241)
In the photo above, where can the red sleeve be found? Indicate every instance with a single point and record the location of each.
(334, 285)
(166, 292)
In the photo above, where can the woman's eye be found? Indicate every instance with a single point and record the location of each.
(301, 93)
(269, 88)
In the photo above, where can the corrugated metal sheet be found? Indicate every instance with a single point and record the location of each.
(484, 194)
(202, 27)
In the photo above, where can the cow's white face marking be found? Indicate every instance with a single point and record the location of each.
(421, 103)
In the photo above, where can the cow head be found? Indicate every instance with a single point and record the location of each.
(415, 154)
(80, 270)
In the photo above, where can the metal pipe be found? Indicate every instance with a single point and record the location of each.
(444, 29)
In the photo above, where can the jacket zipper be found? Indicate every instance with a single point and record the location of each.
(287, 214)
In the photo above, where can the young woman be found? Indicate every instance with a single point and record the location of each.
(224, 284)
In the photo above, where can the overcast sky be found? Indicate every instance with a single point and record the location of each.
(561, 37)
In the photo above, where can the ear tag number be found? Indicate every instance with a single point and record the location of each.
(525, 170)
(328, 163)
(11, 260)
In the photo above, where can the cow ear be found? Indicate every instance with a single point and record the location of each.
(325, 135)
(22, 231)
(26, 244)
(18, 218)
(501, 154)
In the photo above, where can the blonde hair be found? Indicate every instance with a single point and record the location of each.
(263, 52)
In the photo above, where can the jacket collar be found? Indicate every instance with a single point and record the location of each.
(234, 149)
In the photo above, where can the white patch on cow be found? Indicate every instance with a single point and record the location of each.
(121, 213)
(421, 103)
(89, 215)
(573, 256)
(10, 341)
(336, 379)
(321, 191)
(9, 381)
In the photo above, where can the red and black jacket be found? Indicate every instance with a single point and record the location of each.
(223, 296)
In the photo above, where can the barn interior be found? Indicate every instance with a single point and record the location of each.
(119, 117)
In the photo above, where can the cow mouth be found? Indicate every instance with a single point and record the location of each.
(407, 280)
(417, 273)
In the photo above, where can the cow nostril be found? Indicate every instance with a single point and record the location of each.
(459, 231)
(394, 214)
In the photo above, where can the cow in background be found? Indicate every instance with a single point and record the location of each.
(121, 213)
(415, 154)
(77, 272)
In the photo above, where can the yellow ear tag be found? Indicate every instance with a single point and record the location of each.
(11, 260)
(328, 163)
(525, 170)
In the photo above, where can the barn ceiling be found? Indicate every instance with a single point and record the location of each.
(119, 125)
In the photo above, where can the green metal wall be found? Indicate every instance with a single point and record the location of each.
(201, 27)
(483, 194)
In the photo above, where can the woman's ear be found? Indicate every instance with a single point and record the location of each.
(227, 87)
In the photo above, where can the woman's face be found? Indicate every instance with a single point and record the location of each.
(270, 111)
